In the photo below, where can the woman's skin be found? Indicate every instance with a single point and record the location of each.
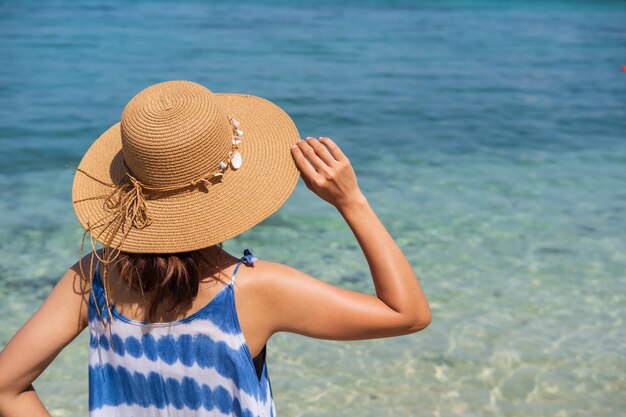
(270, 297)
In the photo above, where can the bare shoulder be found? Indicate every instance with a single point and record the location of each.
(82, 271)
(266, 276)
(273, 281)
(77, 283)
(265, 294)
(291, 300)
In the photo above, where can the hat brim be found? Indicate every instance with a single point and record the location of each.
(200, 217)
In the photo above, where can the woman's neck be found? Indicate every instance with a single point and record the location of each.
(217, 257)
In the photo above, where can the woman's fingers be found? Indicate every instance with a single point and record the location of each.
(321, 151)
(303, 164)
(337, 154)
(307, 183)
(334, 182)
(308, 149)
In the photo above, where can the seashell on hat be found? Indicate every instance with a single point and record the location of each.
(185, 168)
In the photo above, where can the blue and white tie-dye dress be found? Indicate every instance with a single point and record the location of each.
(197, 366)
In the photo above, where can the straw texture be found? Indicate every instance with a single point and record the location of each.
(170, 135)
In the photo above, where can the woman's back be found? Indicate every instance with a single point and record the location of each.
(199, 363)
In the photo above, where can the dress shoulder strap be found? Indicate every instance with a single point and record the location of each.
(97, 290)
(247, 258)
(95, 281)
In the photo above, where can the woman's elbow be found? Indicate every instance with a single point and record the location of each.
(420, 322)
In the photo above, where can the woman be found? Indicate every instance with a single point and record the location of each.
(176, 326)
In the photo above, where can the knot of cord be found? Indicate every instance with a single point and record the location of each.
(127, 202)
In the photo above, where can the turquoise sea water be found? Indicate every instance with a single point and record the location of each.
(489, 138)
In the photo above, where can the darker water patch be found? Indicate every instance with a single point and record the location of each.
(554, 251)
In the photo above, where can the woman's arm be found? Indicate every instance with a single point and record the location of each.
(57, 322)
(302, 304)
(394, 279)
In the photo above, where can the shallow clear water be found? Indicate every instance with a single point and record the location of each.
(489, 139)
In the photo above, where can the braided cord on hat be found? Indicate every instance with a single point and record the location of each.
(126, 207)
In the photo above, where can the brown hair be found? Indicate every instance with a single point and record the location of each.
(172, 278)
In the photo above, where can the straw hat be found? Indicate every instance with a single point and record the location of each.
(184, 169)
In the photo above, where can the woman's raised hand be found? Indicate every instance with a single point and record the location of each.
(327, 172)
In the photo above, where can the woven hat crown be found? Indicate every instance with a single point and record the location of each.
(174, 132)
